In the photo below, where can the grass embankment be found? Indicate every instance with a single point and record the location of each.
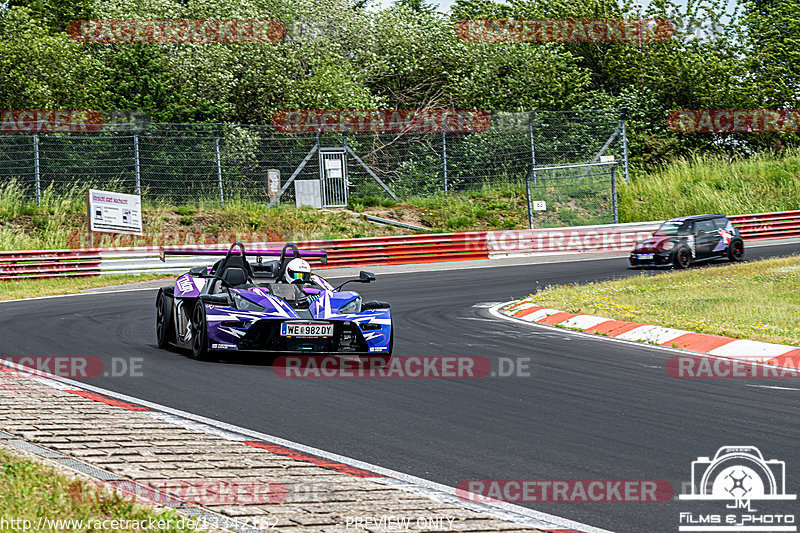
(759, 300)
(60, 221)
(698, 185)
(712, 185)
(29, 288)
(30, 491)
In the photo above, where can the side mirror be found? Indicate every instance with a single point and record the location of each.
(363, 277)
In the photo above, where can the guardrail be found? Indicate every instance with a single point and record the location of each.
(783, 224)
(49, 263)
(393, 250)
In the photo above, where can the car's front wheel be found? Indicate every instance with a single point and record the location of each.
(683, 257)
(164, 329)
(736, 251)
(199, 332)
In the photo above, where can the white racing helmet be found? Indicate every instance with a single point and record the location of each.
(298, 270)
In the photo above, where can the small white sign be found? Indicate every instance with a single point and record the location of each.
(333, 168)
(539, 205)
(115, 212)
(606, 158)
(273, 182)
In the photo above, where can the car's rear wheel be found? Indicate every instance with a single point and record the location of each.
(736, 251)
(164, 326)
(683, 257)
(199, 332)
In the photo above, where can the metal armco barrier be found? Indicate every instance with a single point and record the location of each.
(49, 263)
(403, 249)
(606, 238)
(784, 224)
(393, 250)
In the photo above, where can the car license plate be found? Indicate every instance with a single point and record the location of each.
(306, 330)
(645, 256)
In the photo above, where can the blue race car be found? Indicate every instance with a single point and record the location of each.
(275, 306)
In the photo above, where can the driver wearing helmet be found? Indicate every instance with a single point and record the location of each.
(298, 271)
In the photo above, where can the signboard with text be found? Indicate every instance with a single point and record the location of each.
(114, 212)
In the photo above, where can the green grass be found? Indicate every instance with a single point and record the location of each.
(28, 288)
(758, 300)
(708, 184)
(32, 491)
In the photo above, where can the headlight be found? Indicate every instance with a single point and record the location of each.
(243, 304)
(353, 306)
(669, 245)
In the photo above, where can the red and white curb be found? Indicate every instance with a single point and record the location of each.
(526, 310)
(300, 452)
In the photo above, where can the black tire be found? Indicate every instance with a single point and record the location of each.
(736, 251)
(682, 257)
(199, 332)
(164, 326)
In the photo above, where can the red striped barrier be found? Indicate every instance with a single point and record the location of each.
(49, 263)
(756, 226)
(612, 238)
(398, 249)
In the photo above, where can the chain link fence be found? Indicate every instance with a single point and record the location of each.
(567, 159)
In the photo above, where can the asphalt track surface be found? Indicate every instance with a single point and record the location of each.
(592, 408)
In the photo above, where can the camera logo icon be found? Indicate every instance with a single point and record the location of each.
(738, 473)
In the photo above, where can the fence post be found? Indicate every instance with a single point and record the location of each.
(614, 192)
(533, 149)
(444, 158)
(136, 162)
(36, 168)
(527, 175)
(624, 115)
(219, 169)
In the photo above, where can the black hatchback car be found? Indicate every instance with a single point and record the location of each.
(679, 242)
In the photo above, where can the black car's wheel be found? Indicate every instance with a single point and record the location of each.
(683, 257)
(736, 251)
(164, 326)
(199, 332)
